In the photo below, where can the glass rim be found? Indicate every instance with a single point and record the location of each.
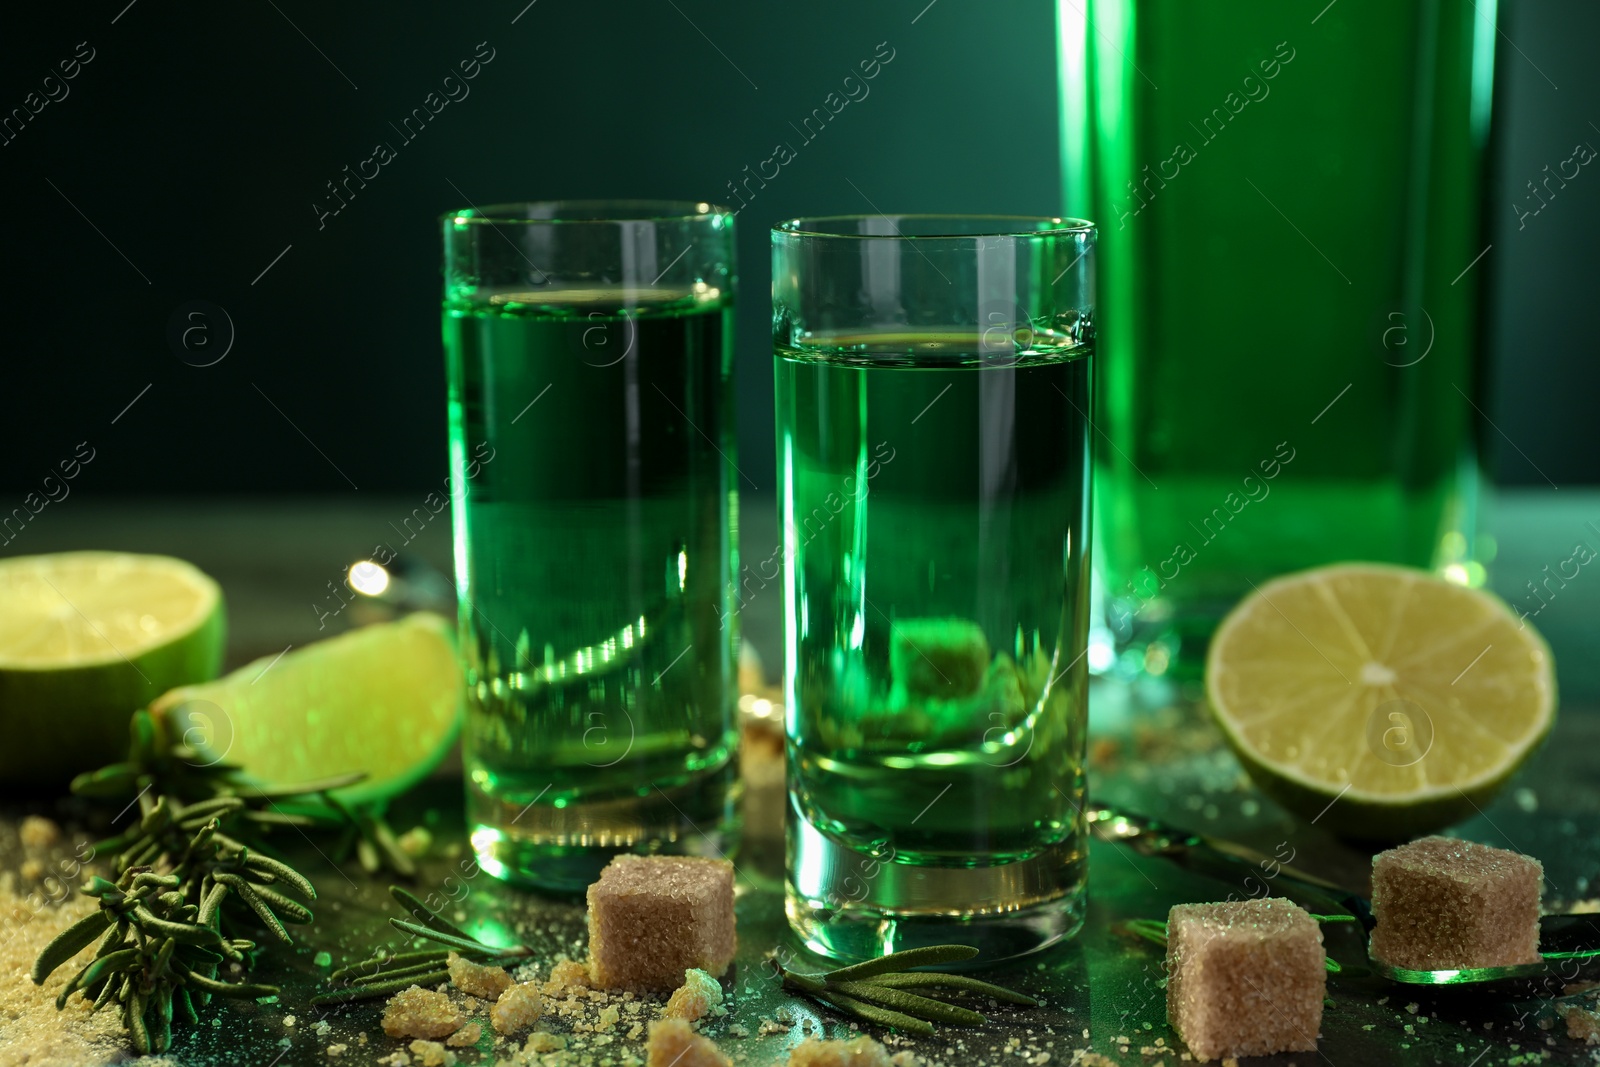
(602, 211)
(1061, 226)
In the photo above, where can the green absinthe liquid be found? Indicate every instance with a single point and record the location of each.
(935, 511)
(1288, 202)
(594, 561)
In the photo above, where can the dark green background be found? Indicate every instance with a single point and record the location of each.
(199, 136)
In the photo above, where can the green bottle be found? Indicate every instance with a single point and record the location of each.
(1289, 204)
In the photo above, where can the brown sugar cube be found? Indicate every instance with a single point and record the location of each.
(1245, 978)
(1443, 904)
(673, 1043)
(861, 1052)
(938, 657)
(653, 917)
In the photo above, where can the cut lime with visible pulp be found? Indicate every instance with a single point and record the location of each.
(1380, 702)
(383, 699)
(85, 639)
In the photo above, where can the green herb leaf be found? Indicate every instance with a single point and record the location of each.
(466, 946)
(236, 990)
(909, 1003)
(245, 892)
(872, 1013)
(282, 872)
(377, 964)
(904, 960)
(919, 979)
(67, 944)
(105, 966)
(371, 990)
(426, 915)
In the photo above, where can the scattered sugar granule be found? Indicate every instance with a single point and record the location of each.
(652, 917)
(335, 1051)
(289, 1021)
(738, 1030)
(467, 1035)
(770, 1026)
(477, 980)
(38, 832)
(518, 1008)
(673, 1043)
(607, 1018)
(860, 1052)
(698, 995)
(566, 977)
(540, 1042)
(634, 1031)
(432, 1053)
(1412, 1007)
(418, 1012)
(322, 959)
(1583, 1024)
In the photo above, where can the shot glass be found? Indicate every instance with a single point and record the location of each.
(589, 354)
(934, 379)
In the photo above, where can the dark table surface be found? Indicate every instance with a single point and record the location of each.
(1103, 991)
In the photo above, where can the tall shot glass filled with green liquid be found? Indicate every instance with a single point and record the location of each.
(1290, 199)
(933, 382)
(591, 442)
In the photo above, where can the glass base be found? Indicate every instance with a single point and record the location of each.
(848, 905)
(562, 850)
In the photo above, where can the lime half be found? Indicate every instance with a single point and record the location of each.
(383, 699)
(85, 639)
(1379, 701)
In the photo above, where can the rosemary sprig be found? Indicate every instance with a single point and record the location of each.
(157, 949)
(388, 973)
(878, 991)
(189, 871)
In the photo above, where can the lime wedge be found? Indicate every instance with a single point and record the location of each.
(383, 699)
(1378, 701)
(85, 639)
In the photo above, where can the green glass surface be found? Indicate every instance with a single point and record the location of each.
(935, 514)
(590, 447)
(1288, 208)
